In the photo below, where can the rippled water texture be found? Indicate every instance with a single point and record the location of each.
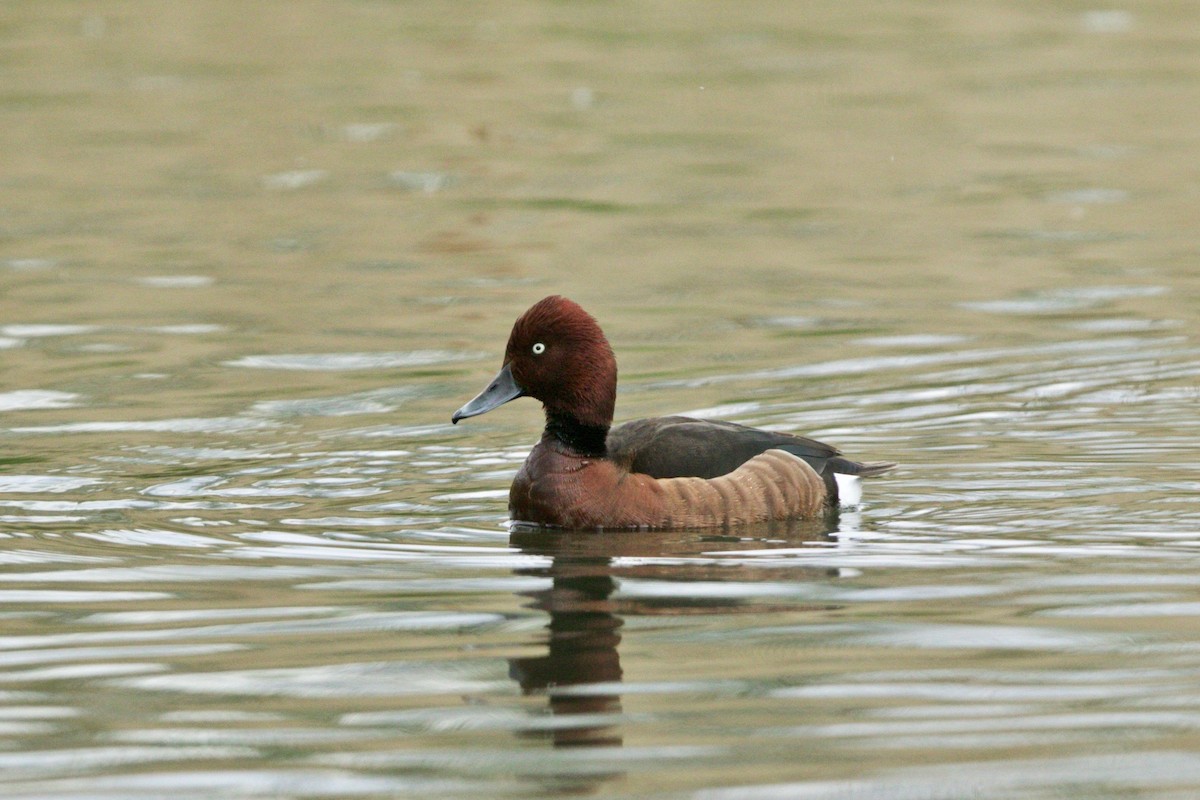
(252, 256)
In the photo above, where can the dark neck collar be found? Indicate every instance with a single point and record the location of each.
(587, 440)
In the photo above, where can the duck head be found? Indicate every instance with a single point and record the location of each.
(556, 353)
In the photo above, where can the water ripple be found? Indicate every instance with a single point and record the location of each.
(337, 362)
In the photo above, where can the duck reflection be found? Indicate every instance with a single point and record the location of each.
(584, 631)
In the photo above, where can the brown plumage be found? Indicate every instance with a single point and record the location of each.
(666, 472)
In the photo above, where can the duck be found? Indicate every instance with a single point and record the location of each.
(672, 472)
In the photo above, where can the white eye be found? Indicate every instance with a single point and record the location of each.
(539, 348)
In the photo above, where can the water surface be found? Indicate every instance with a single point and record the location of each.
(252, 257)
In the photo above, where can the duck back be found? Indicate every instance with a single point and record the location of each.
(682, 447)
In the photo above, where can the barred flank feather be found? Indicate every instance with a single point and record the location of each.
(775, 485)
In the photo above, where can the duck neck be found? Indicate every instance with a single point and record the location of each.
(587, 440)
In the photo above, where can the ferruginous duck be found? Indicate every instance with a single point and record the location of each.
(664, 472)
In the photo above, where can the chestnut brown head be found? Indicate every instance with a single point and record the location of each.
(556, 353)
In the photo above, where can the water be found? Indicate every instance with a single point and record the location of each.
(252, 258)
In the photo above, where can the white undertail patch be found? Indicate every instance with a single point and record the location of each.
(849, 489)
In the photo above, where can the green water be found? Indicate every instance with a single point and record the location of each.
(252, 257)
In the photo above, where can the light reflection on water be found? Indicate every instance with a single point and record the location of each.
(236, 601)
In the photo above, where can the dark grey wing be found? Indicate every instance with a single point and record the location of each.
(673, 447)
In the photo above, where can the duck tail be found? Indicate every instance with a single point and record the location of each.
(845, 466)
